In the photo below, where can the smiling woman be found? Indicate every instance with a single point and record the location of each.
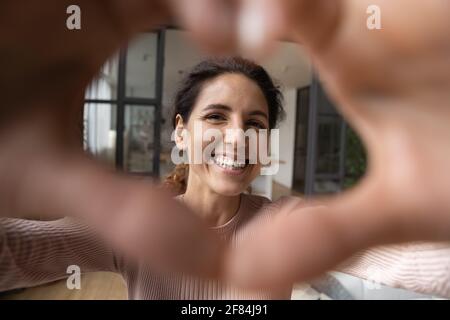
(221, 94)
(224, 95)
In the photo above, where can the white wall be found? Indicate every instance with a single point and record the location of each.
(289, 66)
(287, 139)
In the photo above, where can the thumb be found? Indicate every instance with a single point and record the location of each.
(136, 218)
(211, 22)
(262, 22)
(303, 242)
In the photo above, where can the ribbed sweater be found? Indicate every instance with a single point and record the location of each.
(38, 252)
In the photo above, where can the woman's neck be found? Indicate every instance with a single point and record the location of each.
(214, 208)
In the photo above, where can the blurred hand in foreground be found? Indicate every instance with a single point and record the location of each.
(393, 86)
(43, 171)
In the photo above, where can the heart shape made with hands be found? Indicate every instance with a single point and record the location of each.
(392, 85)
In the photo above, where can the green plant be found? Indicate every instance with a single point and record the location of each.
(355, 159)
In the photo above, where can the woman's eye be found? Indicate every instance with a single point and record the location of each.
(256, 124)
(215, 117)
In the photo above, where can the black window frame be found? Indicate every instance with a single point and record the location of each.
(122, 101)
(311, 175)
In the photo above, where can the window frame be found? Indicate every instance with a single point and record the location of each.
(122, 101)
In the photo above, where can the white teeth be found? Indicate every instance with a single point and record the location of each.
(228, 163)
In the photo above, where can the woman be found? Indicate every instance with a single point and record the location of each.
(218, 94)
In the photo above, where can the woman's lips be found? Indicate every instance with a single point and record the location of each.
(231, 172)
(228, 166)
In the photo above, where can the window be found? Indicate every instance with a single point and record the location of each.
(123, 107)
(329, 156)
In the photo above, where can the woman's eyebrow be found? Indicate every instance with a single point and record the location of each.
(216, 106)
(258, 113)
(219, 106)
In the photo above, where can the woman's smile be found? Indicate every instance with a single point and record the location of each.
(229, 166)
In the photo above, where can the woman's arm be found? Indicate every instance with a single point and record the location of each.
(419, 267)
(37, 252)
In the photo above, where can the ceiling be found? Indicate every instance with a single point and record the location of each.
(289, 66)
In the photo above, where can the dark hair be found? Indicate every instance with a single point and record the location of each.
(209, 69)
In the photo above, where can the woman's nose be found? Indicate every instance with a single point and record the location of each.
(234, 140)
(235, 135)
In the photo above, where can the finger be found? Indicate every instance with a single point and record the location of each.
(259, 25)
(261, 22)
(62, 65)
(138, 15)
(211, 22)
(309, 241)
(314, 23)
(138, 220)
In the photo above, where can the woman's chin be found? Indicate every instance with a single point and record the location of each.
(229, 189)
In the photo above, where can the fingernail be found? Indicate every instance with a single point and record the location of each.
(252, 29)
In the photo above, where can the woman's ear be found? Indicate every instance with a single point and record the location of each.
(179, 136)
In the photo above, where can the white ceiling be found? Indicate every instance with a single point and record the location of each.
(289, 66)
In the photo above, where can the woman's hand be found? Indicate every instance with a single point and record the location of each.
(393, 86)
(45, 69)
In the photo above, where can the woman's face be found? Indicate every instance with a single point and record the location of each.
(227, 103)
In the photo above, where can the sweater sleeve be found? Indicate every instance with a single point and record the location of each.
(37, 252)
(419, 267)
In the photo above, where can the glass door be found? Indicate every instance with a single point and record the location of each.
(329, 156)
(123, 107)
